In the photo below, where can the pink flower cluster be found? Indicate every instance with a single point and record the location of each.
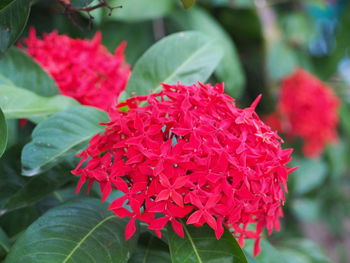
(82, 69)
(188, 154)
(307, 108)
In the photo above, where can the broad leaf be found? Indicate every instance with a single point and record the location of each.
(140, 10)
(3, 133)
(150, 249)
(13, 18)
(83, 231)
(21, 103)
(201, 246)
(60, 136)
(229, 70)
(187, 57)
(24, 72)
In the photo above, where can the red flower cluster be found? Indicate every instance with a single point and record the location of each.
(307, 108)
(190, 153)
(82, 69)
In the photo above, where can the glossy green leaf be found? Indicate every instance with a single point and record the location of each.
(4, 244)
(13, 18)
(187, 57)
(150, 249)
(188, 3)
(310, 175)
(83, 231)
(3, 133)
(140, 10)
(201, 246)
(229, 70)
(24, 72)
(60, 136)
(21, 103)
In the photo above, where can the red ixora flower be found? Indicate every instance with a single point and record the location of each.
(83, 69)
(307, 108)
(190, 155)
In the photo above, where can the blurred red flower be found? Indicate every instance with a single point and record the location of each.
(307, 108)
(190, 153)
(83, 69)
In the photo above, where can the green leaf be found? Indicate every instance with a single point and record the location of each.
(21, 103)
(188, 3)
(150, 250)
(140, 10)
(187, 57)
(60, 136)
(229, 70)
(24, 72)
(83, 231)
(13, 18)
(200, 245)
(310, 175)
(38, 187)
(4, 244)
(3, 133)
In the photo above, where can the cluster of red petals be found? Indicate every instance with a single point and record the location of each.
(189, 153)
(83, 69)
(307, 108)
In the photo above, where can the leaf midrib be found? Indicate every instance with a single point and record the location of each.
(192, 244)
(86, 237)
(182, 65)
(62, 152)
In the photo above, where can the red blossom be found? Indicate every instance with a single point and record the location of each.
(190, 156)
(83, 69)
(307, 108)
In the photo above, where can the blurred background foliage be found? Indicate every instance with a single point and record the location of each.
(263, 41)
